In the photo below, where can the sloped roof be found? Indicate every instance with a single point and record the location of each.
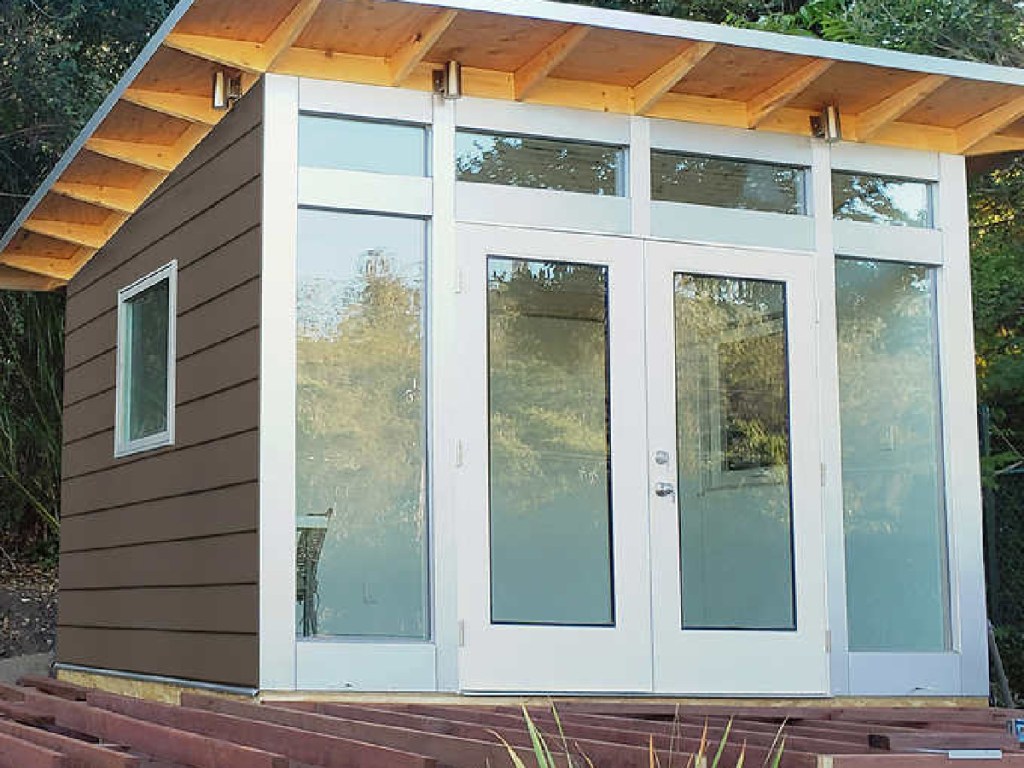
(528, 50)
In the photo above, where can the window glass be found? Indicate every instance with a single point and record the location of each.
(881, 199)
(145, 375)
(550, 509)
(893, 501)
(540, 163)
(733, 442)
(146, 361)
(347, 144)
(361, 473)
(678, 177)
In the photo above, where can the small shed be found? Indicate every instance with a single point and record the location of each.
(473, 347)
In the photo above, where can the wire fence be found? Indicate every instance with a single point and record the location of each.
(1004, 563)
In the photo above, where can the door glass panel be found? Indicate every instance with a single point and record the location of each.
(550, 510)
(732, 407)
(893, 501)
(361, 466)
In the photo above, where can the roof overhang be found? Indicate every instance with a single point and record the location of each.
(525, 50)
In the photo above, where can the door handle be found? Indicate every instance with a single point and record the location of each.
(664, 490)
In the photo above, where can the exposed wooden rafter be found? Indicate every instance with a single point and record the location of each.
(980, 128)
(288, 31)
(13, 279)
(647, 93)
(196, 109)
(49, 267)
(893, 107)
(403, 61)
(246, 55)
(111, 198)
(154, 157)
(238, 54)
(781, 93)
(532, 73)
(85, 235)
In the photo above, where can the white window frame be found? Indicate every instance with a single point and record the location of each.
(714, 225)
(450, 206)
(123, 445)
(482, 203)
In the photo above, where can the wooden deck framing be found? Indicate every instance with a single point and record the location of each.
(46, 723)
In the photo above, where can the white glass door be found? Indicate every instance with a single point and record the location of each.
(736, 534)
(554, 584)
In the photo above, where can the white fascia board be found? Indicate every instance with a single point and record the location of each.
(628, 21)
(98, 116)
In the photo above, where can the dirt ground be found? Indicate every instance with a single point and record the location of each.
(28, 609)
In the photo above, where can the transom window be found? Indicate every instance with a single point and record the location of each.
(355, 144)
(540, 163)
(145, 362)
(881, 199)
(680, 177)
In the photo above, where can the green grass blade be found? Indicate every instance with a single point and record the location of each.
(517, 761)
(721, 744)
(561, 733)
(540, 747)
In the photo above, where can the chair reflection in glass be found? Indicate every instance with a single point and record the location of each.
(312, 529)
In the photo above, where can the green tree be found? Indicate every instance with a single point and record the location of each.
(59, 59)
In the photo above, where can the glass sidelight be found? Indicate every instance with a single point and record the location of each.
(733, 432)
(897, 579)
(361, 473)
(550, 511)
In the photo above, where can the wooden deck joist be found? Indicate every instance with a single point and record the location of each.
(49, 723)
(555, 54)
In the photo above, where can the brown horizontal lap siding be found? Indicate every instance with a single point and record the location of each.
(216, 657)
(159, 569)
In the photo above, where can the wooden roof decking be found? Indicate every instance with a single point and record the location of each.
(527, 50)
(46, 723)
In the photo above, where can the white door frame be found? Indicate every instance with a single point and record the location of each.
(524, 658)
(738, 662)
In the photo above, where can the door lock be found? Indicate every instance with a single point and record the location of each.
(661, 457)
(664, 490)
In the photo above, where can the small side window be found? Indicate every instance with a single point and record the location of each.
(146, 312)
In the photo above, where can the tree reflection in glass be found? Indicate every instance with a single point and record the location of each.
(881, 199)
(550, 513)
(540, 163)
(732, 407)
(893, 498)
(361, 467)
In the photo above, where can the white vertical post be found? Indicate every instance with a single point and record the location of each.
(639, 164)
(444, 363)
(277, 383)
(960, 431)
(831, 445)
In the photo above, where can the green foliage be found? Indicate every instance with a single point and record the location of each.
(544, 758)
(978, 30)
(31, 375)
(997, 263)
(59, 59)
